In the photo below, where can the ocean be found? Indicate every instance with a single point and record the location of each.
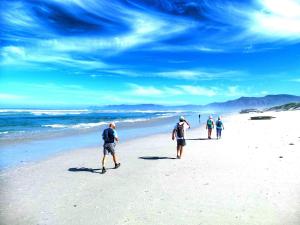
(30, 135)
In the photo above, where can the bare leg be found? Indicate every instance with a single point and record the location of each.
(209, 133)
(114, 158)
(103, 161)
(181, 150)
(178, 151)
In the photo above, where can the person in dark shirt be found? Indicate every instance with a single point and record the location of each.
(219, 127)
(109, 136)
(210, 126)
(179, 132)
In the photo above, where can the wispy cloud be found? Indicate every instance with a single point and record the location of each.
(145, 91)
(201, 74)
(6, 96)
(197, 90)
(295, 80)
(235, 91)
(176, 90)
(277, 20)
(164, 48)
(15, 55)
(54, 30)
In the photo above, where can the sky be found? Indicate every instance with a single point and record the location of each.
(78, 53)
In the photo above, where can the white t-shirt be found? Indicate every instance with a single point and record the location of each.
(185, 126)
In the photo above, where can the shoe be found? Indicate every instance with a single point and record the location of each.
(103, 170)
(117, 165)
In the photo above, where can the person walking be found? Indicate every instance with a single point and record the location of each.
(210, 126)
(219, 127)
(179, 132)
(109, 136)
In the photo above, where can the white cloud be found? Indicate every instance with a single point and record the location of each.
(278, 19)
(5, 96)
(197, 90)
(144, 28)
(264, 21)
(200, 74)
(18, 16)
(178, 90)
(145, 91)
(14, 55)
(234, 91)
(180, 74)
(264, 92)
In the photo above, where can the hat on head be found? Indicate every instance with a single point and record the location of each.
(181, 118)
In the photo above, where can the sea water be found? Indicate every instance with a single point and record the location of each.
(30, 135)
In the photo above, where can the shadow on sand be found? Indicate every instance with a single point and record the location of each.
(155, 157)
(198, 139)
(84, 169)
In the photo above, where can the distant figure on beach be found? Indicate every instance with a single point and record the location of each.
(109, 136)
(179, 132)
(199, 117)
(219, 127)
(210, 126)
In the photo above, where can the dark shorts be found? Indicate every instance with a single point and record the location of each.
(181, 142)
(219, 131)
(109, 148)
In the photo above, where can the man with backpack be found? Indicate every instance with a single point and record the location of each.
(210, 126)
(179, 132)
(219, 127)
(109, 136)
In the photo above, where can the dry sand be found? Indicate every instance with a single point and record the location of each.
(249, 177)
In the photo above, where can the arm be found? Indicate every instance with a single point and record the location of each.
(116, 136)
(173, 134)
(187, 123)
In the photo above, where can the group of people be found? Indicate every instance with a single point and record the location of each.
(110, 137)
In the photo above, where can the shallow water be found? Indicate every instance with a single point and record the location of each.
(38, 141)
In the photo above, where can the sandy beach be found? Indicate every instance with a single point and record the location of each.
(249, 177)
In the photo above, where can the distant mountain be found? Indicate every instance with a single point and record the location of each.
(237, 104)
(255, 102)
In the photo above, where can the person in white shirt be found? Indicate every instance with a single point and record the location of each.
(179, 132)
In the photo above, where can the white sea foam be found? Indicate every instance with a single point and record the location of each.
(76, 126)
(132, 120)
(91, 125)
(55, 126)
(45, 112)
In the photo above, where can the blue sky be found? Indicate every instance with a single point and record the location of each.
(89, 52)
